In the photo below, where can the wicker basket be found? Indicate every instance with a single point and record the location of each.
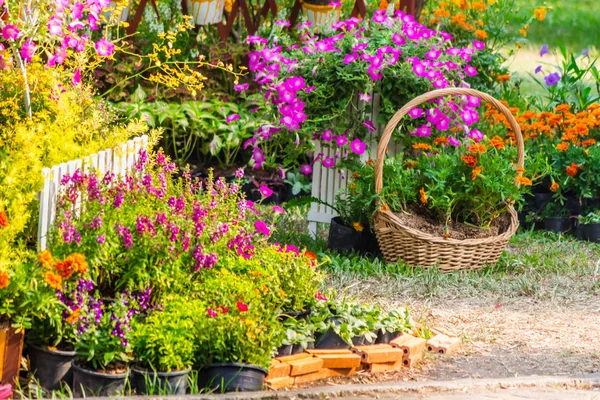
(414, 247)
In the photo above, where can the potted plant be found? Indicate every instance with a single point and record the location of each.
(556, 218)
(163, 347)
(342, 324)
(590, 225)
(50, 341)
(299, 336)
(297, 185)
(393, 324)
(322, 14)
(102, 347)
(237, 334)
(206, 12)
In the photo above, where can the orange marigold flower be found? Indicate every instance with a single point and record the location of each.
(358, 226)
(481, 34)
(573, 169)
(503, 78)
(310, 255)
(411, 164)
(524, 181)
(383, 5)
(4, 279)
(355, 175)
(562, 146)
(477, 148)
(384, 207)
(53, 280)
(475, 172)
(77, 262)
(540, 13)
(45, 258)
(74, 316)
(421, 146)
(554, 186)
(497, 142)
(470, 160)
(3, 219)
(588, 143)
(423, 196)
(370, 162)
(562, 108)
(64, 269)
(440, 140)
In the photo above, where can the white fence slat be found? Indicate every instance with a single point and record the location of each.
(44, 208)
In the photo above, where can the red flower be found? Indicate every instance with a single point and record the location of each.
(223, 309)
(241, 307)
(319, 296)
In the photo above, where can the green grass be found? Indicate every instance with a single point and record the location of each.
(573, 23)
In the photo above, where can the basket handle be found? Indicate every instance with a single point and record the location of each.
(391, 126)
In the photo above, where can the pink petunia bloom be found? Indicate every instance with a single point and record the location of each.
(259, 157)
(55, 26)
(241, 87)
(241, 306)
(478, 45)
(398, 39)
(476, 135)
(77, 77)
(10, 32)
(265, 191)
(327, 135)
(328, 162)
(358, 147)
(211, 313)
(369, 125)
(306, 169)
(348, 58)
(416, 113)
(261, 227)
(278, 210)
(364, 97)
(470, 71)
(419, 69)
(232, 117)
(453, 141)
(341, 140)
(104, 48)
(28, 50)
(433, 54)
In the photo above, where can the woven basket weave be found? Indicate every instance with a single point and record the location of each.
(415, 247)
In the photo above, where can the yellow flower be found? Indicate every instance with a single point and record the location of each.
(358, 226)
(540, 13)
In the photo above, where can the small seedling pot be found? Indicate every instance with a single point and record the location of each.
(592, 232)
(232, 377)
(384, 338)
(284, 350)
(163, 383)
(557, 224)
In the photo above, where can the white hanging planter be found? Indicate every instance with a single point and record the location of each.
(321, 16)
(206, 12)
(112, 9)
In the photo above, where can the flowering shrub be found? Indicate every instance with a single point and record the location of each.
(321, 87)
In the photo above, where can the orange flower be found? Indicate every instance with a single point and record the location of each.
(523, 32)
(64, 269)
(524, 181)
(477, 148)
(421, 146)
(355, 175)
(77, 263)
(573, 169)
(4, 279)
(554, 186)
(588, 143)
(358, 227)
(481, 34)
(384, 207)
(540, 13)
(503, 78)
(423, 196)
(383, 5)
(53, 280)
(497, 142)
(310, 255)
(475, 172)
(411, 164)
(45, 258)
(562, 146)
(440, 140)
(370, 162)
(3, 219)
(74, 316)
(470, 160)
(561, 108)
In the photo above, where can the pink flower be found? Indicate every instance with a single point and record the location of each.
(369, 125)
(232, 117)
(104, 48)
(327, 135)
(478, 45)
(341, 140)
(211, 313)
(241, 307)
(259, 157)
(320, 297)
(278, 210)
(476, 135)
(453, 141)
(241, 87)
(265, 191)
(77, 77)
(261, 227)
(419, 69)
(328, 162)
(416, 113)
(28, 50)
(306, 169)
(55, 26)
(10, 32)
(470, 71)
(398, 39)
(364, 97)
(358, 147)
(335, 4)
(348, 58)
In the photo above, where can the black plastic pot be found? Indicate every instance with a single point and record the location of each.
(541, 200)
(50, 367)
(298, 348)
(331, 340)
(87, 383)
(368, 242)
(592, 232)
(358, 340)
(162, 383)
(557, 224)
(342, 238)
(573, 204)
(232, 377)
(580, 232)
(284, 350)
(384, 338)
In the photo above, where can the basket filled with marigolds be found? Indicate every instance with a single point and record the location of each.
(448, 199)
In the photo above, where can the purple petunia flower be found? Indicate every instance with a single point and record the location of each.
(478, 45)
(585, 52)
(327, 135)
(453, 141)
(278, 210)
(369, 125)
(476, 135)
(364, 97)
(544, 50)
(538, 69)
(470, 71)
(232, 117)
(552, 79)
(349, 58)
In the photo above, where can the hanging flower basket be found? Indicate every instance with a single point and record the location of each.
(206, 12)
(321, 15)
(414, 247)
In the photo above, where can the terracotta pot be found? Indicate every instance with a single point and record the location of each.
(11, 349)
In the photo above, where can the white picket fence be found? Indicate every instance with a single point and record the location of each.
(118, 161)
(327, 182)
